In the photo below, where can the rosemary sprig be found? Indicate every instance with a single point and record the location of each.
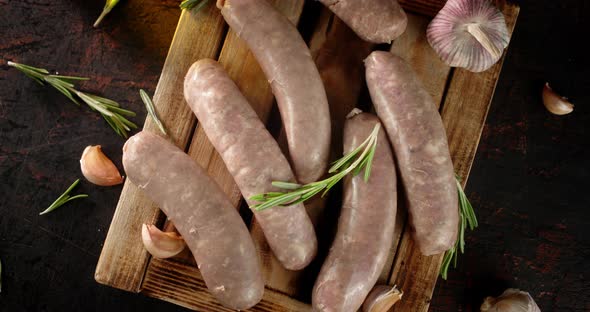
(109, 109)
(297, 193)
(189, 4)
(108, 6)
(64, 198)
(149, 105)
(467, 219)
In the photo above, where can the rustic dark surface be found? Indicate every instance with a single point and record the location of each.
(528, 182)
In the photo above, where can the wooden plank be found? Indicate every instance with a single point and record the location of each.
(423, 7)
(183, 285)
(467, 103)
(123, 259)
(464, 111)
(414, 48)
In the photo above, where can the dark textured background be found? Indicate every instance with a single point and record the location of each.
(528, 182)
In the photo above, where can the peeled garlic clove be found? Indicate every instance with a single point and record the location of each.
(98, 168)
(469, 33)
(512, 300)
(555, 103)
(382, 298)
(161, 244)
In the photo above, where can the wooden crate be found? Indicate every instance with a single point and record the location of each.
(464, 98)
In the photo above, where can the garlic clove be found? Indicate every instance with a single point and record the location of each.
(555, 103)
(161, 244)
(98, 168)
(469, 33)
(381, 298)
(511, 300)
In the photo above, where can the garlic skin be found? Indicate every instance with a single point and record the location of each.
(381, 298)
(160, 244)
(97, 168)
(555, 103)
(512, 300)
(469, 33)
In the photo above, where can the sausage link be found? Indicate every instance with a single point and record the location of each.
(252, 157)
(365, 227)
(420, 145)
(378, 21)
(294, 79)
(208, 222)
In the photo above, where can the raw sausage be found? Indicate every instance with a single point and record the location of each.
(420, 145)
(378, 21)
(294, 79)
(253, 158)
(365, 227)
(208, 222)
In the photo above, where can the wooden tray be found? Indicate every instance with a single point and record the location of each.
(464, 98)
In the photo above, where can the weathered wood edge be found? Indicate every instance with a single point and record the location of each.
(183, 285)
(123, 259)
(469, 96)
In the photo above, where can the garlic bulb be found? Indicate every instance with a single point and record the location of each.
(555, 103)
(161, 244)
(98, 168)
(512, 300)
(381, 298)
(469, 33)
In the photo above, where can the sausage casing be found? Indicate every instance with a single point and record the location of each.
(365, 226)
(208, 222)
(421, 149)
(252, 157)
(294, 79)
(378, 21)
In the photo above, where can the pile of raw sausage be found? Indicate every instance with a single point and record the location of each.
(414, 142)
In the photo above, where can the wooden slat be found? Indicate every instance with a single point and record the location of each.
(413, 47)
(123, 259)
(183, 285)
(423, 7)
(464, 111)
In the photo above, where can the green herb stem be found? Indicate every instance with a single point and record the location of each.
(64, 198)
(466, 219)
(297, 193)
(149, 105)
(109, 5)
(109, 109)
(190, 4)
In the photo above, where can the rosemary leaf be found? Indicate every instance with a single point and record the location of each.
(149, 105)
(352, 162)
(286, 185)
(109, 109)
(466, 219)
(64, 198)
